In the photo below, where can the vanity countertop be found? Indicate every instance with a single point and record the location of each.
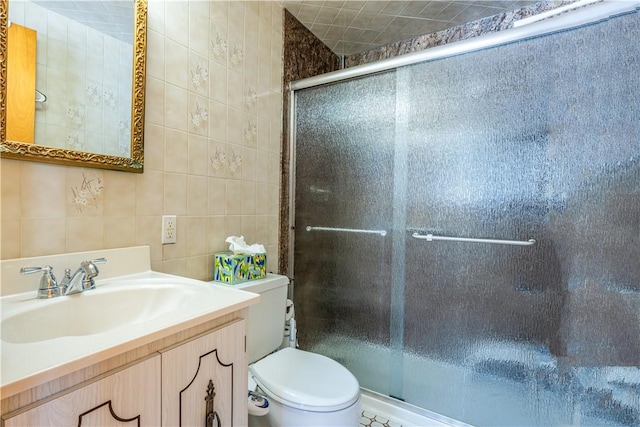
(44, 339)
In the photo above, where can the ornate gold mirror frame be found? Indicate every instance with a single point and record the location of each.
(42, 153)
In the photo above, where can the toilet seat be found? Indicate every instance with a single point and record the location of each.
(306, 381)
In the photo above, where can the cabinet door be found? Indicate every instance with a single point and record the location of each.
(206, 378)
(128, 398)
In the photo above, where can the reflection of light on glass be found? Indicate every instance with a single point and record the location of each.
(553, 12)
(317, 190)
(322, 193)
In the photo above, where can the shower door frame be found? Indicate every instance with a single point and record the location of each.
(575, 19)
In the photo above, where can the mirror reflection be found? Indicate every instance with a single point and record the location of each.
(69, 74)
(74, 86)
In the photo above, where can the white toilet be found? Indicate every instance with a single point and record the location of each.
(303, 389)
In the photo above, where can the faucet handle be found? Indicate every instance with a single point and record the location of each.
(91, 267)
(48, 286)
(91, 271)
(31, 270)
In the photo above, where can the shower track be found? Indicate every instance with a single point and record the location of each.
(577, 18)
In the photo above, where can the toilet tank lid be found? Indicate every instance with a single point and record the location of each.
(306, 380)
(261, 285)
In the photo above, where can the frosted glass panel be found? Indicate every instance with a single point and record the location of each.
(543, 143)
(538, 139)
(344, 149)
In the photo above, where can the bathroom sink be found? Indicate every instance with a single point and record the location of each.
(46, 338)
(93, 312)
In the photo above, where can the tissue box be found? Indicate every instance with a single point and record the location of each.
(237, 268)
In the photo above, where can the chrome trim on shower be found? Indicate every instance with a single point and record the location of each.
(432, 238)
(292, 185)
(347, 230)
(588, 14)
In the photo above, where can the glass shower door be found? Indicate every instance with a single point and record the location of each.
(537, 139)
(344, 181)
(543, 143)
(478, 315)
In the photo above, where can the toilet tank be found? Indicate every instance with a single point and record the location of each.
(265, 323)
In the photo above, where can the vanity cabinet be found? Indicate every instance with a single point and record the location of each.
(204, 380)
(129, 397)
(200, 381)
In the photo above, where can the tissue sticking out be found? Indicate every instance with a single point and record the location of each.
(237, 245)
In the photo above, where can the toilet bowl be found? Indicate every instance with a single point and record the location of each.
(303, 388)
(307, 389)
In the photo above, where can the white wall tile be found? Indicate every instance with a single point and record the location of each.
(220, 178)
(176, 25)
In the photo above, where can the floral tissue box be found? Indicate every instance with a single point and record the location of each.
(233, 268)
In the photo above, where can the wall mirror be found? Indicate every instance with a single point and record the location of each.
(72, 81)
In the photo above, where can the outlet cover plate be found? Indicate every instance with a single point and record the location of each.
(169, 229)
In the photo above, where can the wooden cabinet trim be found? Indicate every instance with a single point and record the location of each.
(215, 357)
(202, 334)
(76, 387)
(130, 396)
(113, 414)
(227, 365)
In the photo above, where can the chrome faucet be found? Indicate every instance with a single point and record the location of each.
(83, 279)
(48, 286)
(80, 281)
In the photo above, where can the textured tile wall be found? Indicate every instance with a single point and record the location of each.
(304, 56)
(212, 150)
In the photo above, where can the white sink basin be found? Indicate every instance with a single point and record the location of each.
(93, 312)
(47, 338)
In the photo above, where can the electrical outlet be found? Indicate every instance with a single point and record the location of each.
(169, 229)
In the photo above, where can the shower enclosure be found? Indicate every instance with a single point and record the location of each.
(532, 144)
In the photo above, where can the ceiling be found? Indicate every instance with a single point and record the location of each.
(345, 26)
(114, 18)
(349, 27)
